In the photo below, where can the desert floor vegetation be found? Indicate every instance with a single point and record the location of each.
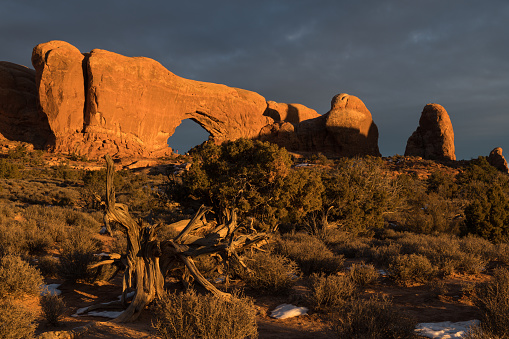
(356, 241)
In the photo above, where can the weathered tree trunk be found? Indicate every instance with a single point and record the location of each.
(142, 272)
(147, 260)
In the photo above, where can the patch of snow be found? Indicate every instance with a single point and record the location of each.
(445, 329)
(382, 272)
(51, 288)
(79, 311)
(220, 280)
(128, 295)
(284, 311)
(105, 314)
(102, 254)
(103, 230)
(303, 165)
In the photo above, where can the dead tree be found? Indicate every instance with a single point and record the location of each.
(148, 260)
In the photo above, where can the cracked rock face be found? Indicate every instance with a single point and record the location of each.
(434, 137)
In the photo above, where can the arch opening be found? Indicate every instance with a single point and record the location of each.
(186, 136)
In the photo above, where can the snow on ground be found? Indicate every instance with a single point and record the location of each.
(51, 288)
(105, 314)
(444, 330)
(284, 311)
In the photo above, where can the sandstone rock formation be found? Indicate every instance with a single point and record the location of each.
(19, 117)
(150, 102)
(434, 137)
(497, 160)
(102, 102)
(292, 113)
(346, 130)
(61, 87)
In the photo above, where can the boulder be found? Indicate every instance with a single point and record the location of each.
(346, 130)
(497, 160)
(20, 118)
(61, 88)
(434, 137)
(292, 113)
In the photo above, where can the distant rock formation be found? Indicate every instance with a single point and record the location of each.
(434, 137)
(102, 102)
(346, 130)
(497, 160)
(105, 102)
(292, 113)
(20, 119)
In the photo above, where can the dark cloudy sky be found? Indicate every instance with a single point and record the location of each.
(396, 56)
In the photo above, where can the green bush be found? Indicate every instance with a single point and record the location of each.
(16, 322)
(273, 273)
(374, 318)
(17, 277)
(329, 291)
(188, 315)
(309, 253)
(493, 299)
(252, 176)
(53, 307)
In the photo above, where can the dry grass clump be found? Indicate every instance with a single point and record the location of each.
(363, 274)
(16, 322)
(77, 253)
(374, 318)
(271, 272)
(189, 315)
(309, 253)
(408, 269)
(17, 277)
(329, 291)
(493, 299)
(53, 307)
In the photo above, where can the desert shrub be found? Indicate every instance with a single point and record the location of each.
(488, 215)
(53, 307)
(477, 332)
(486, 189)
(361, 191)
(188, 315)
(48, 266)
(493, 299)
(17, 277)
(478, 246)
(77, 253)
(271, 272)
(501, 252)
(383, 255)
(407, 269)
(442, 183)
(432, 213)
(309, 253)
(329, 291)
(353, 247)
(252, 176)
(363, 274)
(9, 170)
(16, 322)
(374, 318)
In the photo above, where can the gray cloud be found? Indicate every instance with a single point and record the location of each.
(395, 55)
